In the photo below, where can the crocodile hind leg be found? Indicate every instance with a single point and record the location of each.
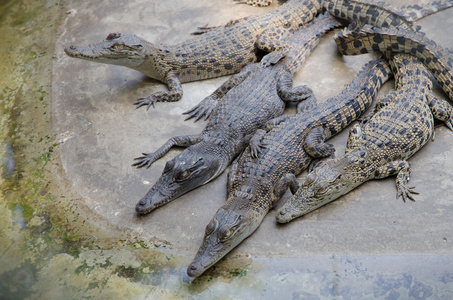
(183, 141)
(174, 93)
(402, 170)
(207, 105)
(302, 93)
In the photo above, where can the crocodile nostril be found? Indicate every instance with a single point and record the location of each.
(193, 267)
(72, 47)
(283, 212)
(142, 202)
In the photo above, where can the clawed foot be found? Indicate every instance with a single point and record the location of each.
(272, 58)
(406, 192)
(204, 108)
(145, 102)
(257, 144)
(256, 149)
(144, 161)
(204, 29)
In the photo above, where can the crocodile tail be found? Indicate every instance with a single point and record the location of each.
(438, 60)
(305, 39)
(376, 13)
(416, 12)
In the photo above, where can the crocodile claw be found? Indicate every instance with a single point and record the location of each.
(406, 192)
(255, 150)
(204, 108)
(145, 102)
(144, 161)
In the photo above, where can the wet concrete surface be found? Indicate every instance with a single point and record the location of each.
(365, 245)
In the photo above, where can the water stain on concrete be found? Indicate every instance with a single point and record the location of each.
(69, 131)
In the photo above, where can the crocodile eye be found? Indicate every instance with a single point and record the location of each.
(118, 46)
(183, 175)
(322, 188)
(211, 227)
(226, 235)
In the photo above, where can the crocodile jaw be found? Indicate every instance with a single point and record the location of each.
(126, 50)
(228, 229)
(202, 166)
(323, 185)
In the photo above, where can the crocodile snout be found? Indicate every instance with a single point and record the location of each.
(71, 50)
(144, 206)
(194, 270)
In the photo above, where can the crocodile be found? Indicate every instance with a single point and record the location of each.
(257, 180)
(437, 59)
(364, 12)
(403, 123)
(223, 50)
(244, 103)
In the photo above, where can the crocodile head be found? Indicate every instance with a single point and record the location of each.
(126, 50)
(329, 181)
(192, 168)
(226, 230)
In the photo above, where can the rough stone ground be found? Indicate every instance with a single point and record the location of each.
(367, 244)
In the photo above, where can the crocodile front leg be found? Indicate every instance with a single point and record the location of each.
(402, 169)
(256, 141)
(174, 93)
(270, 40)
(183, 141)
(316, 147)
(440, 109)
(207, 105)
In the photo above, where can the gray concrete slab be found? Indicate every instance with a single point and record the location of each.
(101, 132)
(104, 132)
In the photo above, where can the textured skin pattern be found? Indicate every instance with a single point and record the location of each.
(402, 124)
(256, 184)
(223, 50)
(376, 13)
(241, 106)
(436, 59)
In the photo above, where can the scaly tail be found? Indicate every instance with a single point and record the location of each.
(416, 12)
(304, 40)
(437, 59)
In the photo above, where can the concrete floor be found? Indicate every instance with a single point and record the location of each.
(365, 233)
